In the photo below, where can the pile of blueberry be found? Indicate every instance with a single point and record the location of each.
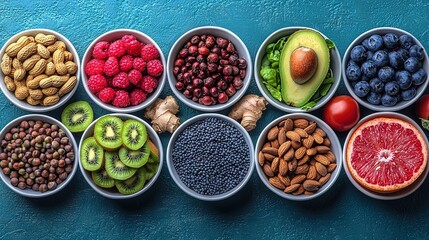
(386, 69)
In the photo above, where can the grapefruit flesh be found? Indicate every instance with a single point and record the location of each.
(386, 154)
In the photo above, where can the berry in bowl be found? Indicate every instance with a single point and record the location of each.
(123, 70)
(385, 69)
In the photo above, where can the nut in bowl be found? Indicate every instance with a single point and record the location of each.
(123, 70)
(297, 69)
(385, 69)
(298, 156)
(37, 156)
(39, 70)
(121, 156)
(209, 68)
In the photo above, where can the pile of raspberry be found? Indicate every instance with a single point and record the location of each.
(123, 72)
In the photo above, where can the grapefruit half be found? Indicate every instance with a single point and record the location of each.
(386, 154)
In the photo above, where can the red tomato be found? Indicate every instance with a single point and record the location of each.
(341, 113)
(423, 107)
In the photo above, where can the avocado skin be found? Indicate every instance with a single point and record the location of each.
(294, 94)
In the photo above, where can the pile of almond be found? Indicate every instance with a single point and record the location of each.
(39, 69)
(297, 157)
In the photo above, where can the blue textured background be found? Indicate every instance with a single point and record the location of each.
(167, 212)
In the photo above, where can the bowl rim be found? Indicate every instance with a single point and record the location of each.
(380, 108)
(88, 56)
(334, 142)
(156, 140)
(231, 101)
(23, 104)
(45, 118)
(188, 190)
(281, 105)
(389, 196)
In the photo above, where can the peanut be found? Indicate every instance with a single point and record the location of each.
(58, 59)
(34, 83)
(35, 94)
(10, 85)
(50, 69)
(32, 101)
(29, 63)
(21, 93)
(45, 40)
(26, 51)
(68, 86)
(68, 56)
(19, 74)
(13, 49)
(71, 67)
(53, 81)
(43, 51)
(49, 91)
(6, 64)
(50, 100)
(58, 45)
(38, 68)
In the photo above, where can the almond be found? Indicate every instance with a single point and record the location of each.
(311, 151)
(331, 167)
(308, 141)
(322, 149)
(284, 179)
(308, 193)
(330, 156)
(317, 138)
(320, 132)
(303, 160)
(321, 169)
(268, 157)
(326, 142)
(288, 125)
(322, 159)
(324, 179)
(311, 174)
(300, 123)
(284, 148)
(275, 181)
(267, 170)
(275, 165)
(270, 150)
(292, 165)
(299, 191)
(267, 144)
(281, 136)
(303, 169)
(292, 135)
(298, 179)
(289, 155)
(283, 168)
(282, 123)
(275, 144)
(261, 158)
(310, 128)
(292, 188)
(301, 132)
(311, 185)
(300, 152)
(272, 134)
(296, 145)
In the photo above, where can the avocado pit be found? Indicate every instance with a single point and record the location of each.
(303, 64)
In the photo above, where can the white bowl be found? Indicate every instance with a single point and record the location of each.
(30, 192)
(335, 148)
(114, 194)
(381, 31)
(385, 196)
(23, 104)
(176, 177)
(113, 36)
(217, 32)
(335, 64)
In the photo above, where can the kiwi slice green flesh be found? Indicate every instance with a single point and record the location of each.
(133, 184)
(134, 134)
(150, 170)
(117, 169)
(91, 155)
(134, 158)
(153, 158)
(102, 179)
(77, 116)
(107, 132)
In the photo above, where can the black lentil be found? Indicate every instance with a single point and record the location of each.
(211, 156)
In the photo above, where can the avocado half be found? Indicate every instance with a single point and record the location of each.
(294, 94)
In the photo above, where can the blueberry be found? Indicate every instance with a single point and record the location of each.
(374, 98)
(385, 74)
(376, 85)
(369, 55)
(353, 73)
(358, 54)
(351, 62)
(365, 43)
(396, 60)
(390, 40)
(391, 88)
(412, 64)
(369, 69)
(380, 58)
(375, 42)
(404, 79)
(417, 52)
(406, 41)
(409, 94)
(388, 101)
(404, 54)
(361, 89)
(419, 77)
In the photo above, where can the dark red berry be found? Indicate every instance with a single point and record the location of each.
(222, 98)
(180, 86)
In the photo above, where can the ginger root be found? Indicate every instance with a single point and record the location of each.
(163, 114)
(249, 110)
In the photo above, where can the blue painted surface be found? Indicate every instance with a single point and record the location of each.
(167, 212)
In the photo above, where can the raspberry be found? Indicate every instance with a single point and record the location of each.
(96, 83)
(111, 67)
(94, 67)
(100, 50)
(149, 83)
(149, 52)
(121, 80)
(116, 49)
(126, 63)
(139, 64)
(121, 99)
(137, 96)
(106, 95)
(135, 76)
(132, 45)
(154, 68)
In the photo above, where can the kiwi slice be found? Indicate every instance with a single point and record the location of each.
(150, 170)
(107, 132)
(77, 116)
(91, 155)
(134, 159)
(102, 179)
(117, 169)
(133, 184)
(134, 134)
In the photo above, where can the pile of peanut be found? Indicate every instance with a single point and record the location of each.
(297, 157)
(39, 69)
